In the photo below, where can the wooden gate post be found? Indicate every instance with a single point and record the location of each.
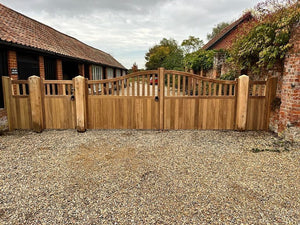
(271, 88)
(161, 95)
(242, 102)
(7, 94)
(35, 96)
(80, 103)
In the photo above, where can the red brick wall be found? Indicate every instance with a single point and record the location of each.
(12, 63)
(90, 72)
(290, 92)
(228, 40)
(59, 72)
(285, 118)
(42, 67)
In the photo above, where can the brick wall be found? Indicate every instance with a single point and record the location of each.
(59, 72)
(42, 67)
(90, 72)
(12, 63)
(285, 118)
(227, 41)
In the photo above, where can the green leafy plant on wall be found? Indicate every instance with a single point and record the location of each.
(266, 40)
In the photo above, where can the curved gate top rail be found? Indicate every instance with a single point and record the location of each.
(175, 83)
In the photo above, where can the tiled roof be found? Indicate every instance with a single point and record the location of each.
(209, 45)
(21, 30)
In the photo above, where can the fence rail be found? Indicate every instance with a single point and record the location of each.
(155, 99)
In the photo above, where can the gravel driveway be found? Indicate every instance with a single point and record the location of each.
(148, 177)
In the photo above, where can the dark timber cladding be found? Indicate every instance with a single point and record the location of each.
(178, 100)
(28, 65)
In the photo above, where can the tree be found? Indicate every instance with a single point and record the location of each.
(216, 30)
(134, 67)
(191, 44)
(166, 54)
(199, 60)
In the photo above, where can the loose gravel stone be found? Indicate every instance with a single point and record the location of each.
(148, 177)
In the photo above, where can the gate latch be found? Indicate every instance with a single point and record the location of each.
(156, 98)
(72, 98)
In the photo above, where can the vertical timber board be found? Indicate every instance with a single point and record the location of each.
(256, 113)
(35, 97)
(22, 112)
(7, 93)
(161, 93)
(59, 111)
(242, 102)
(43, 103)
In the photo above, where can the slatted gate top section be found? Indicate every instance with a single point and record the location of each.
(186, 84)
(58, 87)
(136, 84)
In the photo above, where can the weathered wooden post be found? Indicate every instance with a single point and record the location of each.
(242, 102)
(161, 95)
(7, 94)
(270, 93)
(80, 103)
(35, 96)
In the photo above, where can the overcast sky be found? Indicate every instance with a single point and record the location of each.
(126, 29)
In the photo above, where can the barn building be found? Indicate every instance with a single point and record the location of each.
(28, 47)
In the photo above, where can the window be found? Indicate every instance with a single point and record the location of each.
(110, 73)
(118, 72)
(97, 72)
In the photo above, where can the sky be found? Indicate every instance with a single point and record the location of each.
(126, 29)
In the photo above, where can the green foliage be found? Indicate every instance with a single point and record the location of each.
(267, 42)
(231, 75)
(191, 44)
(199, 60)
(166, 54)
(216, 30)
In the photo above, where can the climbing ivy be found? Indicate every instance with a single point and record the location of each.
(199, 60)
(265, 41)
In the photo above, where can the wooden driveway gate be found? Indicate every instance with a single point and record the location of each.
(155, 99)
